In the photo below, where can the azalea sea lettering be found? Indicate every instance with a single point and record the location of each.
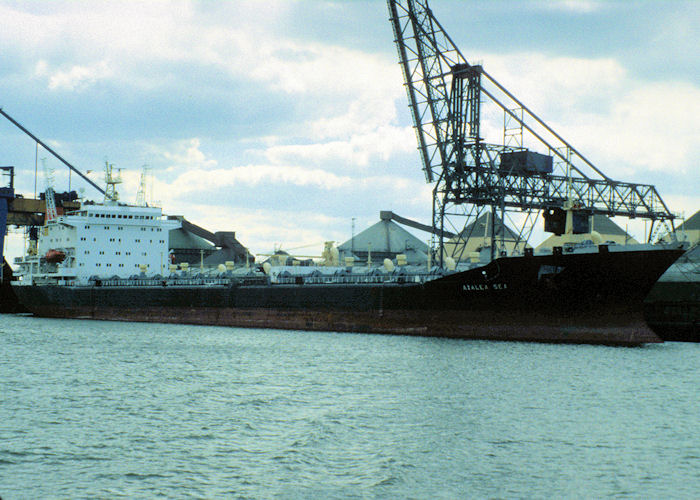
(484, 287)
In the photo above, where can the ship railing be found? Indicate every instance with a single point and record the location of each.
(196, 281)
(264, 280)
(354, 279)
(163, 282)
(252, 280)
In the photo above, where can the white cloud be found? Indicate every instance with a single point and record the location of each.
(365, 113)
(297, 68)
(206, 181)
(574, 6)
(240, 41)
(683, 205)
(76, 77)
(653, 127)
(188, 155)
(544, 82)
(618, 122)
(255, 175)
(356, 150)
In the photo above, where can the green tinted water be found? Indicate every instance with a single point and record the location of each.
(105, 409)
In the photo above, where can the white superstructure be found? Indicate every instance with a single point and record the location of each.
(103, 240)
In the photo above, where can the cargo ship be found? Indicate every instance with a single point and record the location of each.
(110, 261)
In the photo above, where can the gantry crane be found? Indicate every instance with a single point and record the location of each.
(470, 173)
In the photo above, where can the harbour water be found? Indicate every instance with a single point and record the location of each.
(131, 410)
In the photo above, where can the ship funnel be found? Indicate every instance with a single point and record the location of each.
(388, 265)
(267, 267)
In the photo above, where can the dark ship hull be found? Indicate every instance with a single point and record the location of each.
(8, 299)
(672, 308)
(672, 311)
(591, 297)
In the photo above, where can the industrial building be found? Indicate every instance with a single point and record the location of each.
(478, 235)
(384, 240)
(688, 231)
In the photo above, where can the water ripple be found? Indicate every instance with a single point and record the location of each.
(124, 410)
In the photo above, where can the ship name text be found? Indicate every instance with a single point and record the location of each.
(484, 287)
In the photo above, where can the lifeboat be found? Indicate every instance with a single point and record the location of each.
(55, 256)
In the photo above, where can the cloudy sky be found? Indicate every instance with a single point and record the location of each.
(284, 120)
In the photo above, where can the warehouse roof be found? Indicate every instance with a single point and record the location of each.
(481, 228)
(181, 239)
(692, 224)
(604, 225)
(385, 236)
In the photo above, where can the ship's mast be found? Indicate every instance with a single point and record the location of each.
(50, 197)
(471, 174)
(111, 180)
(141, 193)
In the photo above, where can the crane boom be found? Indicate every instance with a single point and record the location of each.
(469, 172)
(54, 153)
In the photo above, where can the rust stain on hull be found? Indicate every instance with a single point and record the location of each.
(623, 328)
